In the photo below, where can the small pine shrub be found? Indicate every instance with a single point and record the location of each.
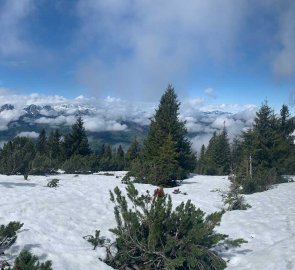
(151, 235)
(27, 261)
(53, 183)
(8, 235)
(233, 200)
(95, 240)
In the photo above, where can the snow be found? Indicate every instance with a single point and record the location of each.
(56, 219)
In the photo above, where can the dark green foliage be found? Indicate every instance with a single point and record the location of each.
(201, 163)
(96, 240)
(16, 156)
(41, 146)
(76, 142)
(105, 158)
(151, 235)
(53, 183)
(166, 132)
(132, 152)
(8, 235)
(216, 159)
(233, 200)
(120, 159)
(265, 151)
(54, 149)
(41, 165)
(27, 261)
(80, 164)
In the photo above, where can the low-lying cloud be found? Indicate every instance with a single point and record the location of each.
(115, 114)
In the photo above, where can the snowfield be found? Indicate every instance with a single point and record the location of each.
(56, 219)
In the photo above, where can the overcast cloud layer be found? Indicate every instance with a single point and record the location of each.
(134, 48)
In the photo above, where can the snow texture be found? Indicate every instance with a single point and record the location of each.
(56, 219)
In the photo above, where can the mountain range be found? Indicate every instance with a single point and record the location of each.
(112, 124)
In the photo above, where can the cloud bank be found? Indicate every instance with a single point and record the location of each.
(115, 114)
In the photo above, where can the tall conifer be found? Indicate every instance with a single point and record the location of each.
(166, 129)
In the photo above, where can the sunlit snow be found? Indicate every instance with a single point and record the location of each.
(56, 219)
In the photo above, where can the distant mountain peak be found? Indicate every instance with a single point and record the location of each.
(6, 107)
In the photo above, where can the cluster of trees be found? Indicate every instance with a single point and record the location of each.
(70, 153)
(259, 156)
(263, 154)
(216, 158)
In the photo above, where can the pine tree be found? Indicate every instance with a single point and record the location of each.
(54, 146)
(165, 123)
(210, 167)
(132, 152)
(17, 156)
(223, 153)
(265, 150)
(42, 142)
(105, 158)
(76, 143)
(201, 161)
(152, 234)
(120, 158)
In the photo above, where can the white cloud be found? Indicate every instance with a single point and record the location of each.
(162, 41)
(60, 120)
(113, 114)
(284, 61)
(210, 92)
(96, 124)
(13, 14)
(29, 134)
(7, 116)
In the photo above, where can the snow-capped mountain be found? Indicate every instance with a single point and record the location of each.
(114, 121)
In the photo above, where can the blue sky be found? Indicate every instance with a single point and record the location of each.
(220, 51)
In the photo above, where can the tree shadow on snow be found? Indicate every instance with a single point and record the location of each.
(12, 185)
(231, 253)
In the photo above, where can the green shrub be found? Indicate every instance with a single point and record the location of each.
(53, 183)
(80, 164)
(151, 235)
(261, 180)
(27, 261)
(233, 200)
(8, 235)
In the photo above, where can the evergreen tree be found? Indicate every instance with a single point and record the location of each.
(76, 143)
(41, 146)
(201, 161)
(152, 234)
(210, 167)
(132, 152)
(120, 158)
(54, 146)
(216, 159)
(265, 150)
(223, 153)
(17, 156)
(106, 158)
(165, 123)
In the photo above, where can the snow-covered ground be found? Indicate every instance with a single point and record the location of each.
(55, 220)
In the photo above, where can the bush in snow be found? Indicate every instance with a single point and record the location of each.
(53, 183)
(27, 261)
(80, 164)
(233, 200)
(151, 235)
(8, 235)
